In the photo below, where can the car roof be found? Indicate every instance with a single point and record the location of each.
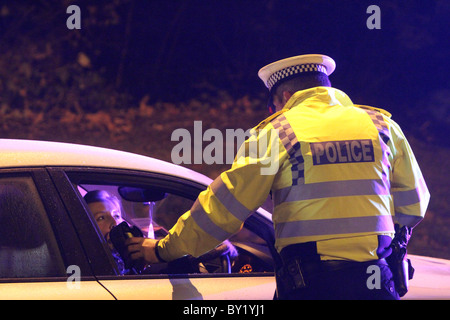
(16, 153)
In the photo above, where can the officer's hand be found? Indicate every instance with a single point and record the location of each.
(142, 248)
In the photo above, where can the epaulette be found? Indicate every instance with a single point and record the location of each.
(267, 120)
(386, 113)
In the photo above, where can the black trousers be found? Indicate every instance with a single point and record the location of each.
(357, 281)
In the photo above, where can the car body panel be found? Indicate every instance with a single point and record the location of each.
(431, 281)
(195, 288)
(54, 290)
(431, 278)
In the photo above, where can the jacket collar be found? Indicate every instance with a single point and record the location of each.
(328, 95)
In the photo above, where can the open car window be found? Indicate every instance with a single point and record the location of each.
(155, 206)
(143, 214)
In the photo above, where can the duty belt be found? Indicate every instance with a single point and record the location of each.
(301, 261)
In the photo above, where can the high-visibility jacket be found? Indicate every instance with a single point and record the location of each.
(344, 175)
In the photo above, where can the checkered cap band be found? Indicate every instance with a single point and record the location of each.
(289, 71)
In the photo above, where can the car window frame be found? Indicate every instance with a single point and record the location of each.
(69, 248)
(93, 175)
(97, 252)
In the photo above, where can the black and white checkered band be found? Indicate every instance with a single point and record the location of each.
(293, 148)
(290, 71)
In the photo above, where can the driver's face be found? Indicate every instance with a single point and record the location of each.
(106, 214)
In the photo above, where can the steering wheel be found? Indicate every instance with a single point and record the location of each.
(218, 260)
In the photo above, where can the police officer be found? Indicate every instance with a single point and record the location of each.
(345, 174)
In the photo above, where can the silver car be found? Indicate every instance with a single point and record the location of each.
(51, 246)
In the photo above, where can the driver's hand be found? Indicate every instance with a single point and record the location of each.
(142, 249)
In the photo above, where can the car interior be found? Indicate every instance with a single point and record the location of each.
(154, 210)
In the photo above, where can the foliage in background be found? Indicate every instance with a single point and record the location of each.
(45, 67)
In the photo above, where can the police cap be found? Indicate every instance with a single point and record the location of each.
(279, 71)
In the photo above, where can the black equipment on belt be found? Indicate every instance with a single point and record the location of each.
(301, 261)
(401, 267)
(290, 274)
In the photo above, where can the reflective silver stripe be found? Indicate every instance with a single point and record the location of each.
(406, 198)
(331, 189)
(334, 226)
(205, 223)
(406, 219)
(228, 200)
(292, 146)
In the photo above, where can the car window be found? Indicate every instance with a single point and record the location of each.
(153, 218)
(244, 253)
(28, 248)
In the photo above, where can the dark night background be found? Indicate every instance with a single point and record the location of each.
(139, 69)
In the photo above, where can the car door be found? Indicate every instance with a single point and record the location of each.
(248, 277)
(40, 252)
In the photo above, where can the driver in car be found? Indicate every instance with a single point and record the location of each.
(107, 213)
(106, 209)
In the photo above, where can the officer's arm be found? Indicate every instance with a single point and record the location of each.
(221, 210)
(409, 191)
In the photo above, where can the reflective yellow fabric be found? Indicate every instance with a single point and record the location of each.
(343, 174)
